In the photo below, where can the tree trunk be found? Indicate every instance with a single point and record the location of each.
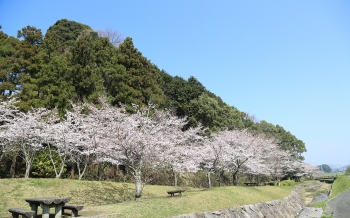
(138, 185)
(28, 166)
(221, 173)
(81, 172)
(72, 171)
(235, 178)
(100, 169)
(209, 182)
(13, 166)
(175, 178)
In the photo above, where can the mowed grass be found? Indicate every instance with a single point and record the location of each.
(108, 198)
(341, 184)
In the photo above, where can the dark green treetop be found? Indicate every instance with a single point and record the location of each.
(139, 83)
(9, 81)
(67, 30)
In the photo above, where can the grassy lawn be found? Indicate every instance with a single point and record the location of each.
(102, 198)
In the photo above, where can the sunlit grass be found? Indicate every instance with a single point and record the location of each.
(101, 198)
(341, 184)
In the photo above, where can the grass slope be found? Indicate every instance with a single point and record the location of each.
(102, 198)
(341, 184)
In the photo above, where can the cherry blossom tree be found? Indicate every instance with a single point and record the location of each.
(311, 171)
(302, 169)
(182, 154)
(94, 136)
(279, 162)
(214, 154)
(7, 112)
(235, 150)
(22, 132)
(86, 132)
(140, 139)
(64, 137)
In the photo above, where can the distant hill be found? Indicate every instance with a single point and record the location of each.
(338, 167)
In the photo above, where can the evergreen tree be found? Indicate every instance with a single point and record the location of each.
(67, 31)
(139, 83)
(9, 80)
(180, 92)
(29, 60)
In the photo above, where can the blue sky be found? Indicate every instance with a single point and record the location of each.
(286, 62)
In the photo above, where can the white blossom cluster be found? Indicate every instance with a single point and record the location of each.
(143, 137)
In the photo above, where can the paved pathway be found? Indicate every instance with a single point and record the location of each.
(339, 207)
(309, 212)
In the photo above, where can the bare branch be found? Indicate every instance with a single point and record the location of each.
(114, 36)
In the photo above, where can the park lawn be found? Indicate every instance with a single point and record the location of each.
(102, 198)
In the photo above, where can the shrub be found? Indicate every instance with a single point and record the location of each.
(347, 170)
(288, 183)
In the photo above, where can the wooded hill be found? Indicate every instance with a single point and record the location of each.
(72, 62)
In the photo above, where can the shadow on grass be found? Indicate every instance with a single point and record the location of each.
(96, 194)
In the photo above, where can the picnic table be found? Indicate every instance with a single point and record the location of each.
(171, 193)
(46, 203)
(251, 183)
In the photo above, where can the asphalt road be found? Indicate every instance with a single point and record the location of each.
(339, 207)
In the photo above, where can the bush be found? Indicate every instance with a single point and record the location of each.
(271, 183)
(347, 170)
(288, 183)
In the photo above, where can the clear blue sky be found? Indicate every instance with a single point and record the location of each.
(286, 62)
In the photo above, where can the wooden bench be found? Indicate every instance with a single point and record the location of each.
(171, 193)
(23, 212)
(73, 208)
(251, 183)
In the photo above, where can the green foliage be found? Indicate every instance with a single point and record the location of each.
(42, 166)
(347, 170)
(8, 80)
(321, 204)
(180, 92)
(31, 35)
(67, 31)
(210, 112)
(139, 83)
(283, 138)
(86, 74)
(287, 183)
(190, 98)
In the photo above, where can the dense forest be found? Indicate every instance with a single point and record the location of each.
(74, 63)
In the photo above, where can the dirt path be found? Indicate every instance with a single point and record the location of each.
(339, 207)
